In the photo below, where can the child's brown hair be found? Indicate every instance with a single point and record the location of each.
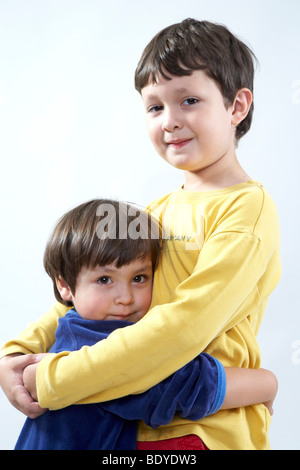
(98, 233)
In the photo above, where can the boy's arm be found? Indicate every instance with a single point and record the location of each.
(199, 389)
(247, 387)
(193, 392)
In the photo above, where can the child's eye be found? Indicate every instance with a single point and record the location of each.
(104, 280)
(154, 109)
(190, 101)
(140, 278)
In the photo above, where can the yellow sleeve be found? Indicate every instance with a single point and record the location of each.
(133, 359)
(39, 336)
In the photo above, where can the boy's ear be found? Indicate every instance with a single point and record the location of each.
(64, 289)
(241, 106)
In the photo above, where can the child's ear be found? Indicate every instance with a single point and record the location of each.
(241, 106)
(64, 289)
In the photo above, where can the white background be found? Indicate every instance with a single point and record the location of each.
(72, 128)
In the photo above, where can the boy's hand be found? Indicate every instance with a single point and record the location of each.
(11, 381)
(29, 380)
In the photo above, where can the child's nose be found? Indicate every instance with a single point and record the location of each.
(124, 296)
(171, 121)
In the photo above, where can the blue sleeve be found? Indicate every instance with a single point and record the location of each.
(194, 391)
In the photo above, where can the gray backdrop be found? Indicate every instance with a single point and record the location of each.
(72, 128)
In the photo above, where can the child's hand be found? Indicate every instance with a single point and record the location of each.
(29, 376)
(29, 380)
(11, 381)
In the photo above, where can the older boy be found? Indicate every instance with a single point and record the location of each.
(221, 261)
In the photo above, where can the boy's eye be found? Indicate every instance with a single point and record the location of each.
(104, 280)
(190, 101)
(140, 278)
(154, 109)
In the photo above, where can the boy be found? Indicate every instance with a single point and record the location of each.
(221, 261)
(107, 277)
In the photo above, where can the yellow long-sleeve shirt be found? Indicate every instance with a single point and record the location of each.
(219, 265)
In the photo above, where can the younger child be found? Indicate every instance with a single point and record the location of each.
(104, 267)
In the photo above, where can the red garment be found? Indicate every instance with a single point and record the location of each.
(190, 442)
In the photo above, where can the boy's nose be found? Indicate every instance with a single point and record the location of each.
(171, 122)
(124, 296)
(170, 127)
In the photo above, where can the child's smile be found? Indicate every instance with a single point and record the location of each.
(178, 143)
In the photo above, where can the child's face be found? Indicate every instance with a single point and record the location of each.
(188, 122)
(110, 293)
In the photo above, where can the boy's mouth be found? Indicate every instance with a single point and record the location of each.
(123, 315)
(178, 143)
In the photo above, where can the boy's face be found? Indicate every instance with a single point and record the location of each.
(110, 293)
(188, 122)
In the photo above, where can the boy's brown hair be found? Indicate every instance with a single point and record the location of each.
(98, 233)
(191, 45)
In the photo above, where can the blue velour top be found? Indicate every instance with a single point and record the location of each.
(194, 391)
